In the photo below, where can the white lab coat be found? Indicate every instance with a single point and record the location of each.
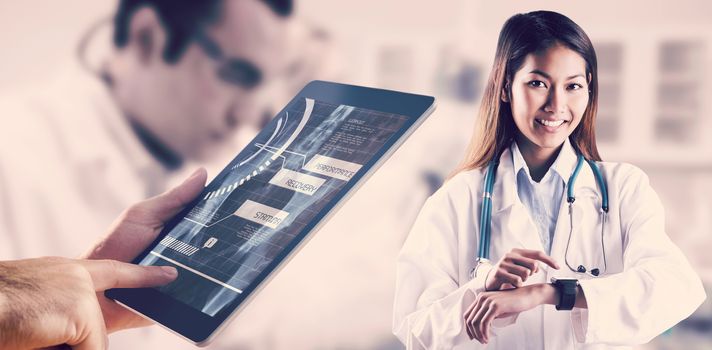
(647, 288)
(69, 164)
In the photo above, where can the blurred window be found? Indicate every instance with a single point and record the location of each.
(679, 91)
(610, 72)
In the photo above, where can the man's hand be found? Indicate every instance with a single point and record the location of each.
(515, 267)
(51, 301)
(132, 232)
(491, 305)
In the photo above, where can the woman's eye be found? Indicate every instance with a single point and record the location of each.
(575, 86)
(537, 83)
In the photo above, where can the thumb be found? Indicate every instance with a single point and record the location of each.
(163, 207)
(107, 274)
(139, 225)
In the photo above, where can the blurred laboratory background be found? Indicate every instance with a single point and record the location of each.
(655, 112)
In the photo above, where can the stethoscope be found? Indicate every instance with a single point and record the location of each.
(486, 214)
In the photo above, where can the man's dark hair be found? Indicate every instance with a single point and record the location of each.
(180, 18)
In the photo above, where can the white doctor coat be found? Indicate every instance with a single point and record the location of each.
(69, 164)
(648, 285)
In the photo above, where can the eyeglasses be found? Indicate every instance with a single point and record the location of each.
(234, 71)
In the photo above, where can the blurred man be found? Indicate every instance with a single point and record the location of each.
(178, 82)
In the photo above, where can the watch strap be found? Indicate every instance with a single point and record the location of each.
(568, 288)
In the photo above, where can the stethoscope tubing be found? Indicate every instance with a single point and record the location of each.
(486, 210)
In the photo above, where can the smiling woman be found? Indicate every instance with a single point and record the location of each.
(523, 57)
(612, 267)
(548, 100)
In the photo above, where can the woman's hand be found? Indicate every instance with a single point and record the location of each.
(515, 267)
(491, 305)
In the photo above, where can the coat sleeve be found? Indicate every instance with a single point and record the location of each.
(429, 302)
(657, 288)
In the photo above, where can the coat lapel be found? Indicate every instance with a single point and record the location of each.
(512, 227)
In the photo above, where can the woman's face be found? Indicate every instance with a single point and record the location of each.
(549, 94)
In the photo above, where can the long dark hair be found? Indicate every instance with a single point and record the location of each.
(521, 35)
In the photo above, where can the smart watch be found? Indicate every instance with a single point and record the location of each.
(567, 289)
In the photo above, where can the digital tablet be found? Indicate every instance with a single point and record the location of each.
(259, 210)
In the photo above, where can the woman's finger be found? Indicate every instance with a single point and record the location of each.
(518, 270)
(487, 322)
(506, 286)
(471, 307)
(477, 317)
(528, 263)
(540, 256)
(514, 280)
(466, 318)
(468, 315)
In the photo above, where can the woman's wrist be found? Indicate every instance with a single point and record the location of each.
(548, 294)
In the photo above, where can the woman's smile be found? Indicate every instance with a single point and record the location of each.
(551, 125)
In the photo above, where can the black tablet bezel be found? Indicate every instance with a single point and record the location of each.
(197, 326)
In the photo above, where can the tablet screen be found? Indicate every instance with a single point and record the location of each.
(251, 213)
